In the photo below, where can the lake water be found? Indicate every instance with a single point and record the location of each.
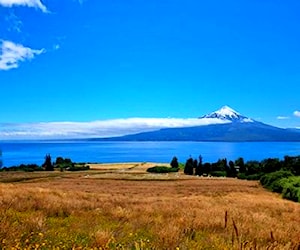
(15, 153)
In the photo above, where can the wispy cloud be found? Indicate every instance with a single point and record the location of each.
(105, 128)
(13, 22)
(283, 117)
(29, 3)
(11, 54)
(297, 113)
(56, 47)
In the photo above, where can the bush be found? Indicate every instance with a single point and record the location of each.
(78, 168)
(242, 176)
(162, 169)
(283, 182)
(63, 163)
(23, 167)
(181, 165)
(218, 173)
(280, 184)
(251, 177)
(268, 180)
(291, 193)
(290, 188)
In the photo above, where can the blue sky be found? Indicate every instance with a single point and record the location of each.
(86, 61)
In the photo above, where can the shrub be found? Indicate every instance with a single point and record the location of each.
(254, 177)
(218, 173)
(242, 176)
(267, 180)
(162, 169)
(251, 177)
(290, 188)
(283, 182)
(291, 193)
(23, 167)
(181, 165)
(63, 163)
(78, 168)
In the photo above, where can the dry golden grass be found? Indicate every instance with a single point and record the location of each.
(113, 166)
(88, 211)
(133, 167)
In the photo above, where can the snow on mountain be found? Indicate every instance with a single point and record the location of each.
(229, 114)
(224, 124)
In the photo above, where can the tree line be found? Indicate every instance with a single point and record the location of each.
(281, 176)
(251, 170)
(62, 164)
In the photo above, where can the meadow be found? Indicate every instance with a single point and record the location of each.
(123, 207)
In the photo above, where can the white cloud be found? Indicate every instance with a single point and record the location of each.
(29, 3)
(283, 117)
(106, 128)
(297, 113)
(11, 54)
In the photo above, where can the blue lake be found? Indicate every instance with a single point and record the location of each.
(15, 153)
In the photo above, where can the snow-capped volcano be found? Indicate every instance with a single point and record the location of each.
(224, 124)
(227, 113)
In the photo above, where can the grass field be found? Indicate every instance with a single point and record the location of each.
(122, 207)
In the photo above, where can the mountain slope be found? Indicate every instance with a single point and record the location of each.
(236, 128)
(220, 132)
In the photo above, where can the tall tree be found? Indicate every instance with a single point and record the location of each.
(199, 170)
(188, 168)
(174, 162)
(48, 166)
(230, 170)
(241, 164)
(195, 166)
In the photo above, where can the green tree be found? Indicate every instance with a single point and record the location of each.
(48, 166)
(241, 164)
(189, 166)
(199, 170)
(271, 165)
(230, 170)
(292, 164)
(206, 168)
(59, 160)
(253, 167)
(174, 162)
(195, 166)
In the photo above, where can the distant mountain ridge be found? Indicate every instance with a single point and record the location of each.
(235, 127)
